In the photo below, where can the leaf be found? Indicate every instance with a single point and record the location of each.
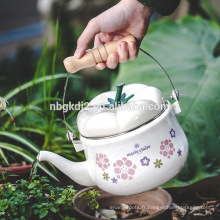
(43, 213)
(93, 204)
(21, 139)
(59, 200)
(185, 49)
(36, 211)
(83, 195)
(91, 193)
(4, 157)
(52, 209)
(32, 185)
(37, 81)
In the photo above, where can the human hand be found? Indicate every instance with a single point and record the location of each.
(128, 17)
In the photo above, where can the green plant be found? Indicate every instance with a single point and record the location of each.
(35, 200)
(38, 127)
(186, 50)
(91, 197)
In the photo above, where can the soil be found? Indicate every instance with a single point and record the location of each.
(199, 201)
(209, 209)
(126, 212)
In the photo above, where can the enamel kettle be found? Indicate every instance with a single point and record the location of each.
(131, 139)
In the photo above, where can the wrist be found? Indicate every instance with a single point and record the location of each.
(138, 6)
(162, 7)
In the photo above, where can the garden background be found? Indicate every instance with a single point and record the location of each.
(35, 37)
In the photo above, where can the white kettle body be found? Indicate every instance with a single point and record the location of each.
(127, 152)
(139, 160)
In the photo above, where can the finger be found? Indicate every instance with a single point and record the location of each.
(132, 49)
(112, 61)
(100, 66)
(86, 37)
(97, 40)
(123, 52)
(102, 38)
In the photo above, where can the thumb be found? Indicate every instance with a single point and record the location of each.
(86, 37)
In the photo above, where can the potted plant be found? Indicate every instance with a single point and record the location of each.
(35, 200)
(153, 204)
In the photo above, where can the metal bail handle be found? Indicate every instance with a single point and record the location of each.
(175, 92)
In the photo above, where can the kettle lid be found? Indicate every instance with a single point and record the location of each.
(116, 112)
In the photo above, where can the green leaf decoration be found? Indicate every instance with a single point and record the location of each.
(185, 49)
(119, 96)
(111, 101)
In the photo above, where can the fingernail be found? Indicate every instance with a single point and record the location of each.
(77, 53)
(112, 58)
(123, 46)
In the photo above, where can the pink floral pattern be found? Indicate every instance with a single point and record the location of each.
(102, 161)
(124, 169)
(166, 148)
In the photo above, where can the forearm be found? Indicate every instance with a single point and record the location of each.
(163, 7)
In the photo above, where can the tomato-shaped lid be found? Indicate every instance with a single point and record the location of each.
(116, 112)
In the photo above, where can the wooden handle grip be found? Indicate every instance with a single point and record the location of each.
(94, 56)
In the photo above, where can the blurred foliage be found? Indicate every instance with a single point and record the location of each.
(186, 50)
(37, 126)
(204, 8)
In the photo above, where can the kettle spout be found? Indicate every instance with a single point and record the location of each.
(77, 171)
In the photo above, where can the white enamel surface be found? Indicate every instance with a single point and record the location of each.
(135, 146)
(96, 122)
(76, 171)
(131, 119)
